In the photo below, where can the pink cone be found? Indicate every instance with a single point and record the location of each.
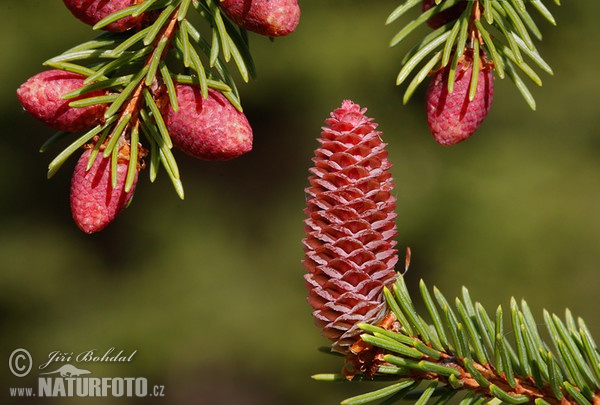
(94, 202)
(273, 18)
(41, 96)
(211, 128)
(92, 11)
(451, 117)
(349, 245)
(443, 17)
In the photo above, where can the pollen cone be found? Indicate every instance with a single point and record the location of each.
(350, 227)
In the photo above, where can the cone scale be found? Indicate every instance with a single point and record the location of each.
(350, 227)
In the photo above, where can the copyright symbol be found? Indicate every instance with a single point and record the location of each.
(20, 362)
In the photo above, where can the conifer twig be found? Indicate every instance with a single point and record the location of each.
(500, 29)
(478, 358)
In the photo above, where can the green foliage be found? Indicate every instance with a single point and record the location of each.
(130, 67)
(496, 29)
(467, 350)
(527, 199)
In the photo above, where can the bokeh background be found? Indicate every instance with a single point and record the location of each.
(209, 290)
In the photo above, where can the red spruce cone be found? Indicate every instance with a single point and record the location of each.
(451, 117)
(92, 11)
(211, 128)
(273, 18)
(94, 202)
(41, 96)
(349, 244)
(443, 17)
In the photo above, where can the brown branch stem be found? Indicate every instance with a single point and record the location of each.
(133, 105)
(366, 359)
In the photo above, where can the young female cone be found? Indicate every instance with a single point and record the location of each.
(92, 11)
(443, 17)
(41, 96)
(207, 128)
(349, 246)
(273, 18)
(453, 117)
(95, 203)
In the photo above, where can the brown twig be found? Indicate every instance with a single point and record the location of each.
(133, 105)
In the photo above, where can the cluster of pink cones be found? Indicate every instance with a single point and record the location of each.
(272, 18)
(208, 128)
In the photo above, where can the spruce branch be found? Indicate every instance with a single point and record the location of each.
(155, 80)
(502, 31)
(133, 68)
(464, 350)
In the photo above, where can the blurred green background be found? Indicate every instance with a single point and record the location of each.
(209, 290)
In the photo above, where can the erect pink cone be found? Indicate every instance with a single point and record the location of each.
(41, 96)
(94, 202)
(211, 128)
(349, 244)
(92, 11)
(451, 117)
(273, 18)
(443, 17)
